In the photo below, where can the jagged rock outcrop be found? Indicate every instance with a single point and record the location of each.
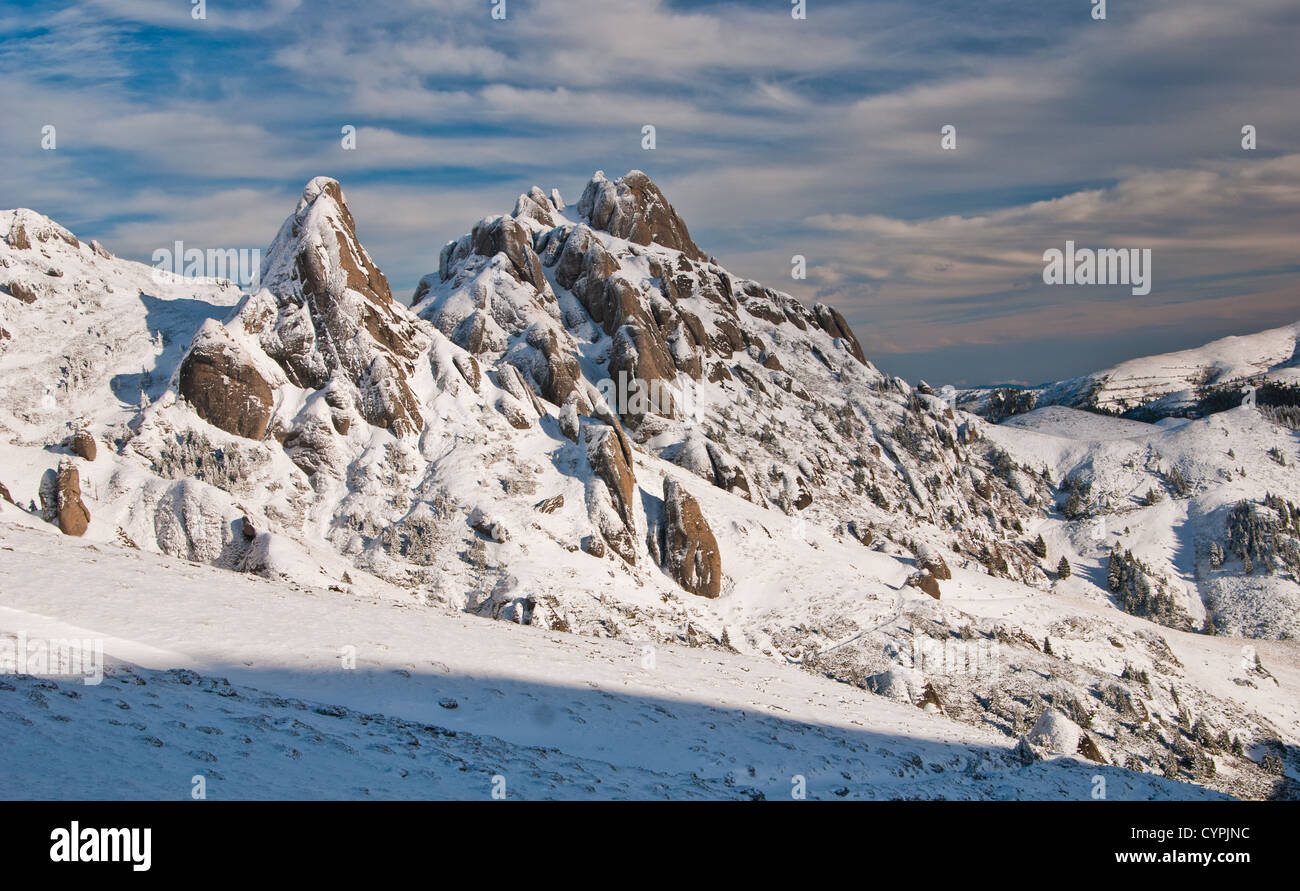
(611, 461)
(554, 368)
(505, 235)
(469, 369)
(219, 379)
(4, 493)
(550, 505)
(22, 292)
(632, 207)
(690, 550)
(326, 315)
(835, 325)
(711, 462)
(537, 205)
(73, 515)
(1089, 749)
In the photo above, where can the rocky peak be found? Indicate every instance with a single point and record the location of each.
(327, 316)
(634, 208)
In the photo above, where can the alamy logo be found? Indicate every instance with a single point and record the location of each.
(77, 845)
(60, 657)
(1107, 266)
(950, 656)
(243, 266)
(636, 396)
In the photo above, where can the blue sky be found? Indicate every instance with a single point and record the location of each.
(775, 137)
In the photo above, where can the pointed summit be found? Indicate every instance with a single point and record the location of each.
(316, 243)
(326, 316)
(634, 208)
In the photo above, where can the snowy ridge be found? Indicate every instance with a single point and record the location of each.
(1171, 383)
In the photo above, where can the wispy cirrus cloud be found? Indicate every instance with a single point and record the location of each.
(775, 137)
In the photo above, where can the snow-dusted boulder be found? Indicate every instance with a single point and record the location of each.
(220, 380)
(928, 559)
(1055, 732)
(899, 684)
(74, 517)
(487, 524)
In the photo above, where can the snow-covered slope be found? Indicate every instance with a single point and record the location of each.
(86, 339)
(1165, 385)
(244, 683)
(1172, 379)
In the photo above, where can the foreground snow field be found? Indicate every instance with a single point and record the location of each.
(240, 680)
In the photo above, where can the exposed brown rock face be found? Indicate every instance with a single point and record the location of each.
(557, 373)
(219, 379)
(926, 582)
(1089, 749)
(334, 316)
(584, 267)
(20, 291)
(690, 552)
(29, 226)
(930, 696)
(4, 493)
(83, 445)
(551, 505)
(834, 324)
(683, 348)
(862, 532)
(488, 525)
(469, 369)
(632, 207)
(587, 269)
(514, 412)
(505, 235)
(17, 237)
(728, 473)
(931, 561)
(640, 358)
(74, 517)
(536, 205)
(612, 464)
(511, 379)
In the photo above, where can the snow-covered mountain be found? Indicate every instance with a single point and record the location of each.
(585, 427)
(1185, 383)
